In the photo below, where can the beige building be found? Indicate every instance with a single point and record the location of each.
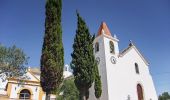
(29, 88)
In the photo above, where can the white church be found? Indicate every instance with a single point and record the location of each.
(125, 75)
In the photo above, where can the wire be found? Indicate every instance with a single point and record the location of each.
(161, 73)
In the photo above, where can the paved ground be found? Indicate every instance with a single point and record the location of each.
(4, 97)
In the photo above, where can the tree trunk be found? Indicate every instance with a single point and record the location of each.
(47, 96)
(83, 95)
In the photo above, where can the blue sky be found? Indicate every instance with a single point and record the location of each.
(145, 22)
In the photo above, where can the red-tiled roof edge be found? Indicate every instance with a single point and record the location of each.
(105, 28)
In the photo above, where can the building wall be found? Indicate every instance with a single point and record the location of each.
(123, 79)
(127, 64)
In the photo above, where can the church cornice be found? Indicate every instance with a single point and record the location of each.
(27, 81)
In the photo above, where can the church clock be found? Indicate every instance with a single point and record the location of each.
(113, 59)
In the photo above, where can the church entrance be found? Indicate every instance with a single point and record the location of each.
(140, 92)
(25, 94)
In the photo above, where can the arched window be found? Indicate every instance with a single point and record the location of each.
(136, 68)
(112, 48)
(25, 94)
(140, 92)
(96, 47)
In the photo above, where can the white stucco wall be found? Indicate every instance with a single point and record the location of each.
(15, 89)
(32, 78)
(2, 84)
(123, 79)
(102, 70)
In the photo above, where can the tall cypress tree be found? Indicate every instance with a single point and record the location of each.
(52, 58)
(83, 61)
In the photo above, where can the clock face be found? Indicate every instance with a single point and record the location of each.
(113, 59)
(98, 60)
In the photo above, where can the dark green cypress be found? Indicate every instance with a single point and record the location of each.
(52, 58)
(97, 83)
(83, 61)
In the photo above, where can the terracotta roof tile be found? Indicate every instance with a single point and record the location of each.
(105, 29)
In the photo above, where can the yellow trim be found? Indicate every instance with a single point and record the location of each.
(27, 89)
(9, 89)
(25, 84)
(41, 93)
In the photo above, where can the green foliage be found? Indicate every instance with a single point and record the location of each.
(13, 61)
(164, 96)
(69, 90)
(83, 61)
(97, 84)
(52, 58)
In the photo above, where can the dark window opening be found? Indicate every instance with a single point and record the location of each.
(137, 68)
(112, 49)
(25, 94)
(96, 47)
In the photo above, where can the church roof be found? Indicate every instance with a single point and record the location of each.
(35, 70)
(131, 45)
(103, 29)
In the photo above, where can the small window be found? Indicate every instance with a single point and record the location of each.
(112, 47)
(96, 47)
(136, 68)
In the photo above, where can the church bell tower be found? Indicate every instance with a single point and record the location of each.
(106, 52)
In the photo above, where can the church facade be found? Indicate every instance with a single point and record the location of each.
(125, 75)
(28, 88)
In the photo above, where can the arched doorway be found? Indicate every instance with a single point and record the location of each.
(25, 94)
(140, 92)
